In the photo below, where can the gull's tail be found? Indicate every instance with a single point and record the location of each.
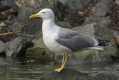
(96, 48)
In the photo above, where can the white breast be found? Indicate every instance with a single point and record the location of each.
(49, 37)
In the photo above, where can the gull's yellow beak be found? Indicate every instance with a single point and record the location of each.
(34, 16)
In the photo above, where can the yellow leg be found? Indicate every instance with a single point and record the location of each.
(65, 56)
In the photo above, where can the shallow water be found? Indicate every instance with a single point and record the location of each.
(33, 69)
(22, 69)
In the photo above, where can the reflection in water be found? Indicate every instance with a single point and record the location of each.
(33, 69)
(22, 69)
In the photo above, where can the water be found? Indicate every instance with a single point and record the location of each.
(33, 69)
(22, 69)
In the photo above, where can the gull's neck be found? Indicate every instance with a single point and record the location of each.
(48, 24)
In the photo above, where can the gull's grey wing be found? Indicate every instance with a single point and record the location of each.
(73, 40)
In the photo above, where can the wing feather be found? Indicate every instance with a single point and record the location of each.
(73, 40)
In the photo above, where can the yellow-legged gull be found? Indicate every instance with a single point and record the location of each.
(63, 40)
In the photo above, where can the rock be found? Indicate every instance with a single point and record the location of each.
(2, 47)
(16, 27)
(17, 47)
(106, 76)
(20, 3)
(2, 25)
(40, 51)
(70, 6)
(32, 26)
(6, 4)
(96, 19)
(116, 35)
(86, 30)
(100, 13)
(117, 1)
(63, 24)
(102, 8)
(66, 74)
(71, 74)
(67, 7)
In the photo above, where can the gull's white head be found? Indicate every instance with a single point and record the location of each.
(44, 14)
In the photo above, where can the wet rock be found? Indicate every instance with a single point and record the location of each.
(101, 72)
(2, 46)
(96, 19)
(117, 1)
(17, 46)
(66, 74)
(106, 76)
(40, 51)
(7, 4)
(100, 13)
(71, 74)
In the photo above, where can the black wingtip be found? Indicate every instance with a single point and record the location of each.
(103, 42)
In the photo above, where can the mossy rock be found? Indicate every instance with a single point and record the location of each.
(40, 51)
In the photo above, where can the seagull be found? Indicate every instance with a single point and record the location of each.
(63, 40)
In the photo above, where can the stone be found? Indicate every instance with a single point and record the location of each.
(66, 74)
(106, 76)
(39, 51)
(17, 47)
(16, 27)
(70, 6)
(2, 47)
(100, 13)
(96, 19)
(102, 8)
(6, 4)
(72, 74)
(86, 30)
(63, 24)
(67, 7)
(2, 25)
(117, 1)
